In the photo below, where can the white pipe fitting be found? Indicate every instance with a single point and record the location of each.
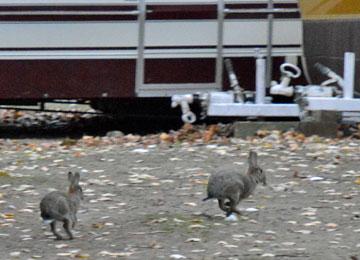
(279, 89)
(184, 102)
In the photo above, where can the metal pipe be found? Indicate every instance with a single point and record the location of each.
(269, 44)
(349, 75)
(220, 42)
(66, 3)
(62, 13)
(333, 77)
(234, 83)
(139, 74)
(262, 11)
(260, 80)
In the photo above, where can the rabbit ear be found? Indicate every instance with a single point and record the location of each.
(252, 159)
(70, 176)
(76, 179)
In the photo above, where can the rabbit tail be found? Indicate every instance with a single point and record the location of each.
(209, 196)
(47, 219)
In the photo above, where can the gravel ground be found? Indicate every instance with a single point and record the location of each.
(143, 197)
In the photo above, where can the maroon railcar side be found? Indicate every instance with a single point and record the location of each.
(96, 70)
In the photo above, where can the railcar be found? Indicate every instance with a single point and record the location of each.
(114, 53)
(118, 55)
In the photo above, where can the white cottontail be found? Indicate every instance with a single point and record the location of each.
(59, 206)
(234, 187)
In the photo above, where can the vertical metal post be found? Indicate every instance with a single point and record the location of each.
(269, 63)
(349, 75)
(260, 80)
(139, 75)
(220, 42)
(234, 83)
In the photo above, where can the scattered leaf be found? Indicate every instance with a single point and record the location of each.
(193, 239)
(196, 226)
(116, 254)
(15, 254)
(209, 134)
(357, 181)
(192, 204)
(156, 221)
(82, 256)
(68, 142)
(177, 256)
(164, 137)
(4, 174)
(98, 225)
(331, 225)
(8, 215)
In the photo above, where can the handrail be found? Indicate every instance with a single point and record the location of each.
(19, 3)
(220, 43)
(124, 2)
(63, 13)
(262, 11)
(269, 47)
(140, 62)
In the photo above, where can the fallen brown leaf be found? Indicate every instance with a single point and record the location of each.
(209, 134)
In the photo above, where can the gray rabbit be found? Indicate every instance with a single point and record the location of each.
(59, 206)
(234, 187)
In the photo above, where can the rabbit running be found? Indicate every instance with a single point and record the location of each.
(59, 206)
(235, 187)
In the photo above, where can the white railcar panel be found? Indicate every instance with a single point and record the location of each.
(158, 33)
(254, 32)
(68, 34)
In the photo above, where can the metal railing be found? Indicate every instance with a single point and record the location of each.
(141, 87)
(270, 11)
(65, 13)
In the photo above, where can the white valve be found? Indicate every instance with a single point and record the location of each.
(288, 71)
(291, 74)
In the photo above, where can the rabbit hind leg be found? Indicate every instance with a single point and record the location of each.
(222, 205)
(66, 226)
(53, 229)
(232, 204)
